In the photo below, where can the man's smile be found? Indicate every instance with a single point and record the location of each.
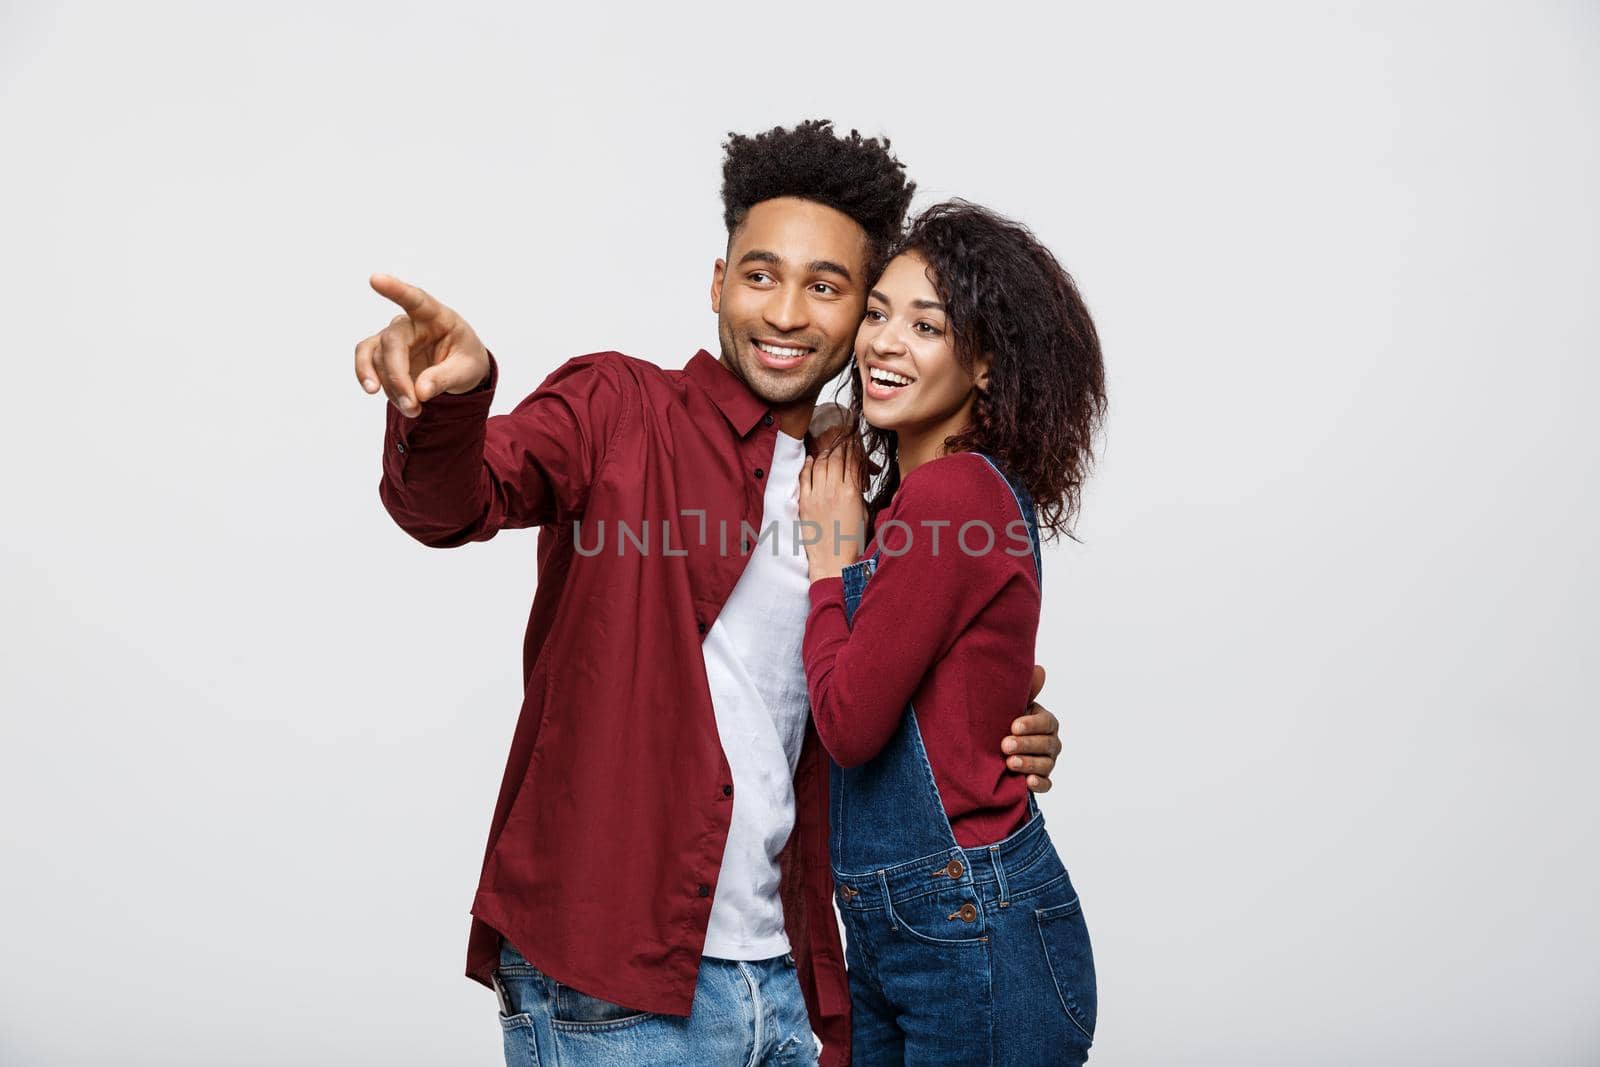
(780, 356)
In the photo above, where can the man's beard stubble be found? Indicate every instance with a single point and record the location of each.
(771, 386)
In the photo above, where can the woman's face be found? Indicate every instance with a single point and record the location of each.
(911, 380)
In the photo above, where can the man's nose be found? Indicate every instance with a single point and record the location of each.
(786, 310)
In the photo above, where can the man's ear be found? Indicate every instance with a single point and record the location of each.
(718, 273)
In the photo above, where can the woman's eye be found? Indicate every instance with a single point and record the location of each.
(928, 329)
(873, 314)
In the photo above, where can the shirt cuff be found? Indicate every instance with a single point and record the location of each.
(447, 411)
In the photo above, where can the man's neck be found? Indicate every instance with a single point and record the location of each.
(794, 418)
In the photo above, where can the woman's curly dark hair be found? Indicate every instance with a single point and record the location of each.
(1006, 294)
(855, 175)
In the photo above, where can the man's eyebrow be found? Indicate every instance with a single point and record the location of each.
(827, 266)
(816, 266)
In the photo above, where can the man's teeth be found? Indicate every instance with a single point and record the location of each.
(782, 353)
(889, 377)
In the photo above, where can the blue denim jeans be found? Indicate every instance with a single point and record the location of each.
(744, 1012)
(974, 956)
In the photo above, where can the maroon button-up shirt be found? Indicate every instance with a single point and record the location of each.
(643, 482)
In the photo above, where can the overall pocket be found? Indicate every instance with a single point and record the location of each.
(1071, 960)
(945, 917)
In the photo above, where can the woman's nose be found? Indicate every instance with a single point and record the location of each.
(888, 342)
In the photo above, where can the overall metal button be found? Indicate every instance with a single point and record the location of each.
(966, 913)
(954, 869)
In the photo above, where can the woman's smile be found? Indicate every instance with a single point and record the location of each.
(883, 383)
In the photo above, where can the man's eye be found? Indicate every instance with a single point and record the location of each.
(760, 276)
(825, 286)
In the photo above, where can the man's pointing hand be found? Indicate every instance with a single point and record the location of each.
(424, 352)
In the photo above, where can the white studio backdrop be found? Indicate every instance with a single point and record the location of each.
(1324, 658)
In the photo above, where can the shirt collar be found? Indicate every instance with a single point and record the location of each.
(742, 408)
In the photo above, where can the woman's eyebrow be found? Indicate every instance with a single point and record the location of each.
(923, 305)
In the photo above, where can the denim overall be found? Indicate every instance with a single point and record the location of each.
(972, 956)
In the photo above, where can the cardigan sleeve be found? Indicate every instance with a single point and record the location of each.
(948, 547)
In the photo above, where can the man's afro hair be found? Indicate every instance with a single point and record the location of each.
(855, 175)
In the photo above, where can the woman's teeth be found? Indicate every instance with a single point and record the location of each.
(889, 378)
(782, 353)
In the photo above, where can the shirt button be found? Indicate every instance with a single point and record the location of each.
(766, 420)
(759, 472)
(727, 790)
(400, 447)
(700, 626)
(704, 890)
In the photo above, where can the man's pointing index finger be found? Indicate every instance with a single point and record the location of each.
(418, 304)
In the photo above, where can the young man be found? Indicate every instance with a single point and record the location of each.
(682, 911)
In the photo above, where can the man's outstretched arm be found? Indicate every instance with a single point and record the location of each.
(451, 472)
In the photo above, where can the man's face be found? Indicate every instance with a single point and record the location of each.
(789, 298)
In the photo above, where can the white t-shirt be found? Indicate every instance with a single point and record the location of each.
(758, 688)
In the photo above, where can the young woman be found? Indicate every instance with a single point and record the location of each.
(978, 375)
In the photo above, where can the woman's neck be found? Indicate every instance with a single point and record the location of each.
(918, 446)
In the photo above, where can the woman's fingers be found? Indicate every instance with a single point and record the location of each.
(840, 465)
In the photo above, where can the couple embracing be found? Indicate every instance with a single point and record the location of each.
(834, 705)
